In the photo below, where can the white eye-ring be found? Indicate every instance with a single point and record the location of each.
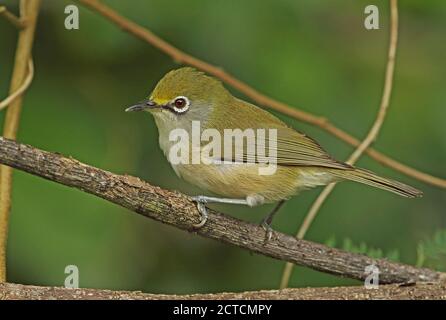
(180, 104)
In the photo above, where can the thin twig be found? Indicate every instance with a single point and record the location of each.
(421, 291)
(180, 211)
(17, 22)
(29, 78)
(30, 10)
(182, 57)
(370, 138)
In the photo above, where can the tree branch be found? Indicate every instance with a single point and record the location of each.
(178, 210)
(182, 57)
(419, 291)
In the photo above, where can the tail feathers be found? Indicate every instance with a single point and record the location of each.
(371, 179)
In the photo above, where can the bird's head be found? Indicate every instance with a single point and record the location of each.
(183, 95)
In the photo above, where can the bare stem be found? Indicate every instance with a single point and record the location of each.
(29, 78)
(29, 9)
(12, 18)
(369, 139)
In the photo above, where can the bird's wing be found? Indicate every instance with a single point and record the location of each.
(292, 148)
(297, 149)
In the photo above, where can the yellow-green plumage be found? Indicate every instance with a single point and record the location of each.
(302, 163)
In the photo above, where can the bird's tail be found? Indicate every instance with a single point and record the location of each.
(371, 179)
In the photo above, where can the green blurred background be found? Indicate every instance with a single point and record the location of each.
(315, 55)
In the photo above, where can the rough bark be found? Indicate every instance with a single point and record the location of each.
(393, 291)
(178, 210)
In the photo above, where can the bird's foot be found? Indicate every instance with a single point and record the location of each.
(201, 206)
(268, 230)
(266, 222)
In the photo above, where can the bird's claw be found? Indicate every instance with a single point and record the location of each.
(203, 211)
(268, 231)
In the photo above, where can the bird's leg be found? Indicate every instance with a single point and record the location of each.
(201, 206)
(266, 222)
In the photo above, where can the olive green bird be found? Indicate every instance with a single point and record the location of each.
(185, 95)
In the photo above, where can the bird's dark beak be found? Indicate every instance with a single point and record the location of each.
(143, 105)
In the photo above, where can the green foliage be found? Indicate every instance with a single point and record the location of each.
(431, 253)
(363, 248)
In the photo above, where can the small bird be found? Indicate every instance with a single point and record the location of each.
(186, 95)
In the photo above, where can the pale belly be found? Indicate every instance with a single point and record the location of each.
(242, 180)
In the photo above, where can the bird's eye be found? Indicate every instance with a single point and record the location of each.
(181, 104)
